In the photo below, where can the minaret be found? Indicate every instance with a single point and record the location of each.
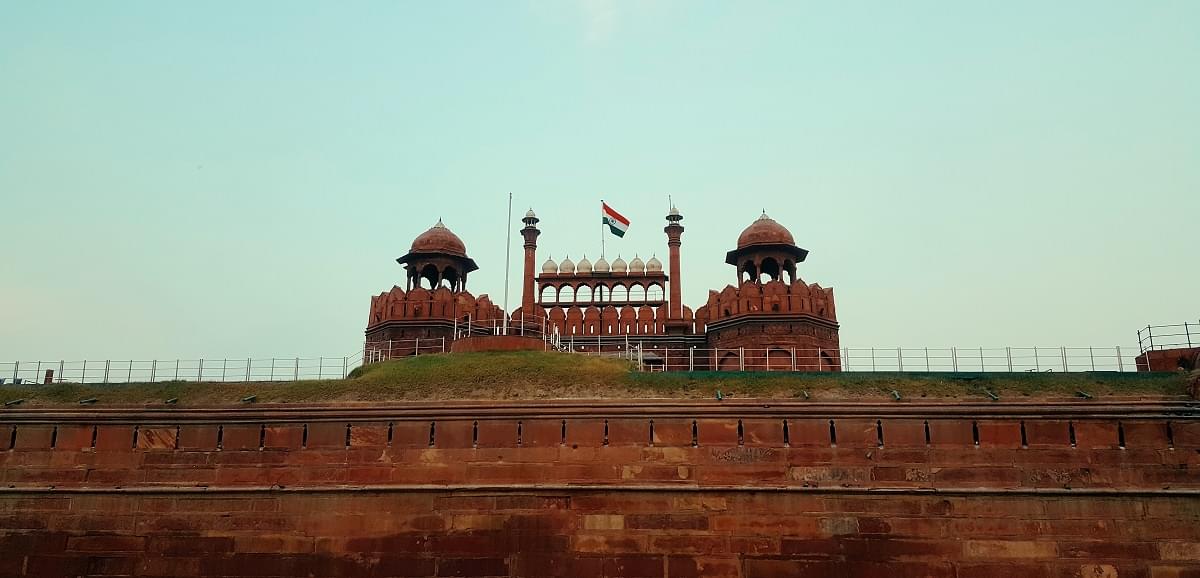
(674, 231)
(530, 232)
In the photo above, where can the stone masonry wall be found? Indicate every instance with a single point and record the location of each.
(759, 496)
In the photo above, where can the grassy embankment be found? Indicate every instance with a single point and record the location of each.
(548, 375)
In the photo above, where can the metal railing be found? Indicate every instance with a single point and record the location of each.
(868, 359)
(1158, 337)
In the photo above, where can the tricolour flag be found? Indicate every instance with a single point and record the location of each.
(616, 222)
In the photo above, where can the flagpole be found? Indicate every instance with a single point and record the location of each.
(601, 228)
(507, 251)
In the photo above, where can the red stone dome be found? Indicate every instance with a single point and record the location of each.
(765, 231)
(439, 239)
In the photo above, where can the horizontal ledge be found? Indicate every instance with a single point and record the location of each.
(583, 409)
(400, 488)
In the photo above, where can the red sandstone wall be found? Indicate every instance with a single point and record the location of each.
(710, 495)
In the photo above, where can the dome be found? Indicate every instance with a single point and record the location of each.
(620, 266)
(653, 265)
(636, 265)
(567, 267)
(549, 266)
(584, 267)
(439, 239)
(530, 215)
(600, 266)
(765, 231)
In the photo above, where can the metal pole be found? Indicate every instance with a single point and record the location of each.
(1037, 364)
(296, 374)
(507, 252)
(16, 368)
(982, 365)
(872, 359)
(83, 373)
(107, 362)
(819, 368)
(176, 370)
(900, 358)
(1120, 362)
(1187, 333)
(200, 370)
(926, 359)
(320, 367)
(846, 357)
(793, 359)
(61, 376)
(417, 347)
(1092, 357)
(742, 358)
(954, 359)
(345, 366)
(249, 364)
(692, 358)
(224, 366)
(1008, 354)
(1063, 349)
(153, 366)
(443, 345)
(272, 369)
(129, 373)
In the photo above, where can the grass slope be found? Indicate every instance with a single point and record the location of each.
(546, 375)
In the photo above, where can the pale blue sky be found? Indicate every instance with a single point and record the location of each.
(237, 178)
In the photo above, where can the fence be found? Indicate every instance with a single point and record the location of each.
(205, 369)
(928, 359)
(1158, 337)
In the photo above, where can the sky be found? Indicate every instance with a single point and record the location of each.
(237, 178)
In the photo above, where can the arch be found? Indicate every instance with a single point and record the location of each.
(827, 363)
(549, 294)
(591, 321)
(566, 294)
(728, 361)
(637, 293)
(620, 293)
(769, 268)
(583, 294)
(779, 359)
(748, 272)
(654, 292)
(431, 274)
(600, 292)
(628, 320)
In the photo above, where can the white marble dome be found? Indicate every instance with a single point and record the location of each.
(654, 265)
(620, 266)
(600, 266)
(567, 267)
(584, 267)
(637, 265)
(549, 266)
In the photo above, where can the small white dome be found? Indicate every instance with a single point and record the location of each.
(584, 267)
(654, 265)
(637, 265)
(567, 267)
(549, 266)
(600, 266)
(620, 266)
(530, 215)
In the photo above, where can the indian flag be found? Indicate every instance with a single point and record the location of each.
(616, 222)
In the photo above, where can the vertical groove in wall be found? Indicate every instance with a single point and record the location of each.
(391, 425)
(262, 437)
(928, 442)
(475, 434)
(304, 437)
(520, 432)
(605, 432)
(135, 436)
(975, 432)
(54, 437)
(95, 432)
(1121, 435)
(832, 434)
(651, 432)
(1071, 432)
(220, 437)
(1024, 438)
(695, 434)
(348, 426)
(432, 433)
(176, 445)
(879, 433)
(787, 435)
(562, 440)
(741, 434)
(1170, 436)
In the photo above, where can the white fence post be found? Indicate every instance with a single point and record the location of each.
(153, 366)
(742, 358)
(345, 367)
(900, 358)
(1064, 358)
(954, 359)
(249, 364)
(107, 362)
(1008, 354)
(296, 375)
(1121, 362)
(200, 370)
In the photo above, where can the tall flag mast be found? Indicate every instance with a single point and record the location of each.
(507, 250)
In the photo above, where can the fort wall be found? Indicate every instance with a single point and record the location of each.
(603, 489)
